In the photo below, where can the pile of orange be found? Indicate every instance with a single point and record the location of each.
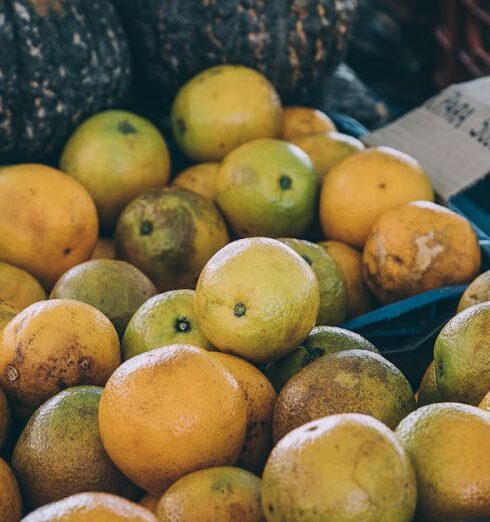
(172, 353)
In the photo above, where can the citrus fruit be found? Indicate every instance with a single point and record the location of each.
(359, 299)
(104, 249)
(59, 452)
(4, 418)
(10, 501)
(170, 234)
(198, 178)
(322, 340)
(257, 298)
(91, 507)
(116, 156)
(485, 403)
(171, 411)
(449, 446)
(358, 191)
(48, 222)
(477, 292)
(333, 292)
(52, 345)
(462, 356)
(165, 319)
(267, 188)
(149, 502)
(346, 467)
(300, 121)
(223, 107)
(327, 149)
(353, 381)
(260, 396)
(7, 313)
(418, 247)
(428, 392)
(18, 287)
(221, 494)
(116, 288)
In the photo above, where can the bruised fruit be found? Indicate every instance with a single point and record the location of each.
(170, 234)
(353, 381)
(418, 247)
(40, 356)
(4, 419)
(116, 288)
(323, 340)
(59, 452)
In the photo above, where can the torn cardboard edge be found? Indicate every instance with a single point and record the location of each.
(449, 135)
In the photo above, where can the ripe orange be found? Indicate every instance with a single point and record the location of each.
(303, 121)
(171, 411)
(48, 221)
(358, 191)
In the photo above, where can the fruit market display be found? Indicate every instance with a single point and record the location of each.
(172, 344)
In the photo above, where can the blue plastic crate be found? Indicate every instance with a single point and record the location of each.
(405, 331)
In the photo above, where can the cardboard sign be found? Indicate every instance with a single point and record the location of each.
(449, 135)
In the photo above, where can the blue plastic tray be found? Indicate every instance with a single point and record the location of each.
(405, 331)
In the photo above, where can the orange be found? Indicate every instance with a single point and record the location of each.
(477, 292)
(347, 467)
(417, 247)
(261, 398)
(428, 392)
(149, 502)
(223, 107)
(198, 178)
(48, 221)
(18, 287)
(327, 149)
(351, 381)
(59, 452)
(267, 188)
(258, 299)
(359, 299)
(303, 121)
(91, 507)
(104, 249)
(485, 403)
(52, 345)
(171, 411)
(116, 156)
(7, 312)
(221, 494)
(10, 501)
(358, 191)
(170, 234)
(449, 446)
